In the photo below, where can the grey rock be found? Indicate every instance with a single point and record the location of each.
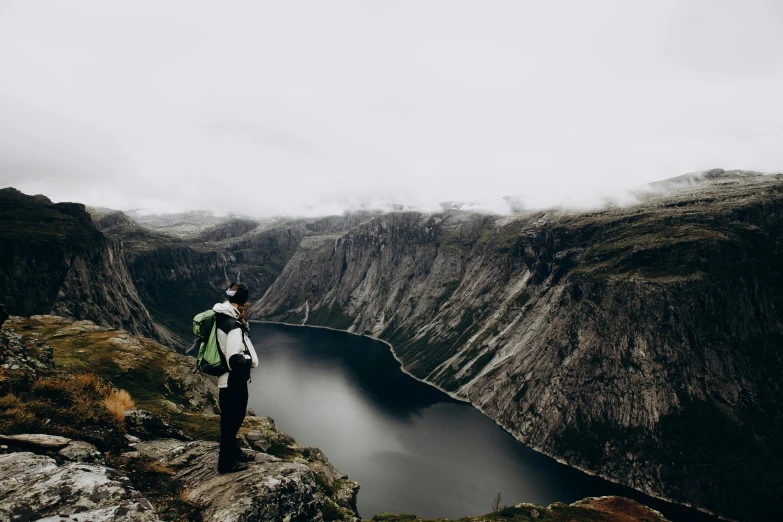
(80, 451)
(270, 490)
(37, 441)
(34, 487)
(145, 425)
(256, 440)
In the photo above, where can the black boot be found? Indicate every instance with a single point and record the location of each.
(245, 456)
(238, 466)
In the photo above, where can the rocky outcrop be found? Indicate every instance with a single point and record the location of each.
(287, 480)
(28, 355)
(269, 490)
(54, 260)
(110, 219)
(33, 485)
(68, 449)
(36, 487)
(261, 434)
(638, 343)
(146, 425)
(159, 378)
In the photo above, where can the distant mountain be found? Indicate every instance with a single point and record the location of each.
(641, 343)
(181, 264)
(53, 260)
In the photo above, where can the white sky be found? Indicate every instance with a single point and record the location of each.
(265, 107)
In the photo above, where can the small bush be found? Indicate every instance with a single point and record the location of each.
(64, 404)
(117, 403)
(496, 503)
(16, 416)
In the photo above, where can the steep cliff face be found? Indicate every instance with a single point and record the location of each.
(177, 279)
(54, 260)
(640, 343)
(179, 276)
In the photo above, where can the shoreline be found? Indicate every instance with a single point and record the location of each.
(516, 437)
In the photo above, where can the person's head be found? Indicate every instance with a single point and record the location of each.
(238, 295)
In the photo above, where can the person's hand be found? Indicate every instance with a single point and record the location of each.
(240, 362)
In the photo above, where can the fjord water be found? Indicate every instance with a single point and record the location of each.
(411, 447)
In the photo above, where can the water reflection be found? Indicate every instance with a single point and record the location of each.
(411, 447)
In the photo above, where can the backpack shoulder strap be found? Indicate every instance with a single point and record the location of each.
(225, 323)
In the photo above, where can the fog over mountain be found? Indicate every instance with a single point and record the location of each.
(267, 108)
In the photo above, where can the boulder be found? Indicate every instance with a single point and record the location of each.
(256, 440)
(79, 451)
(36, 441)
(146, 425)
(34, 487)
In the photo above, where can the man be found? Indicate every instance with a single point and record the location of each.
(238, 352)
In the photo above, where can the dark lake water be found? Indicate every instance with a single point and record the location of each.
(411, 447)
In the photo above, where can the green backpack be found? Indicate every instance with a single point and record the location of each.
(210, 359)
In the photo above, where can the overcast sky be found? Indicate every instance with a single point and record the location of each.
(270, 107)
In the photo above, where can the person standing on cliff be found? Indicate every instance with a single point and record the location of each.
(238, 352)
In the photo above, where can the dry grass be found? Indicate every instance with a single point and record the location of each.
(14, 412)
(80, 406)
(118, 402)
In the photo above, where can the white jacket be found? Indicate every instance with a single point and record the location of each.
(232, 344)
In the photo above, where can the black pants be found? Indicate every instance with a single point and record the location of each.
(233, 405)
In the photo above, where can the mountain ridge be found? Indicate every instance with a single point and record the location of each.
(589, 335)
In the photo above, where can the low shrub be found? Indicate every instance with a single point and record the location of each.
(80, 406)
(118, 402)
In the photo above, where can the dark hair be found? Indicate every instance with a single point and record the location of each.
(238, 293)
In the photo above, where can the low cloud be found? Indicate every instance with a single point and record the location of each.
(267, 108)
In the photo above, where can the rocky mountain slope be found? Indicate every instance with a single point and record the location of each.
(54, 260)
(639, 343)
(181, 263)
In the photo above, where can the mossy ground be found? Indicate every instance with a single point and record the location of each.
(139, 367)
